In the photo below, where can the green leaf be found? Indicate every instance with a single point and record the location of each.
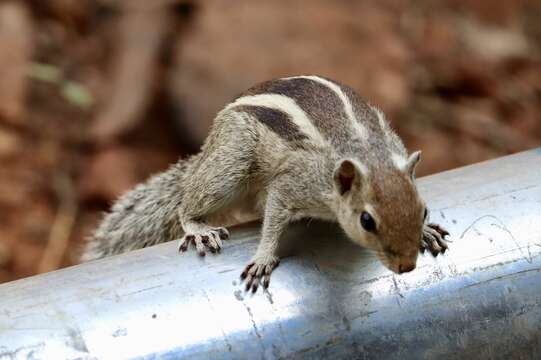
(77, 94)
(45, 72)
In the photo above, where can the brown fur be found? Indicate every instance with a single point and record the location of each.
(299, 150)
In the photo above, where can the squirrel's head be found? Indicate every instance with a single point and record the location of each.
(380, 209)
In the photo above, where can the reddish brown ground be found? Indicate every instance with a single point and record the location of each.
(97, 95)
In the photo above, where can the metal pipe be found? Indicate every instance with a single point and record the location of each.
(482, 299)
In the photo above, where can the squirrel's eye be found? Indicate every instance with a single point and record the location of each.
(367, 221)
(426, 214)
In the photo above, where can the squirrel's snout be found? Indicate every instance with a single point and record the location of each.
(407, 267)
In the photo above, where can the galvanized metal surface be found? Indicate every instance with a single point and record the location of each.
(481, 300)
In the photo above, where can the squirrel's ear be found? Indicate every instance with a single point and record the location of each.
(409, 168)
(347, 174)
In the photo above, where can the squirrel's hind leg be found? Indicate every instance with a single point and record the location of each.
(216, 180)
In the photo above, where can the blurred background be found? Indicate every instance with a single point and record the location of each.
(97, 95)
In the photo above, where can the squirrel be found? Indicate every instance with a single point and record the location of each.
(286, 149)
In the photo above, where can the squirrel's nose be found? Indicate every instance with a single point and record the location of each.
(403, 268)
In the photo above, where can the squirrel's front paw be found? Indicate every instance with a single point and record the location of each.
(257, 270)
(433, 239)
(211, 239)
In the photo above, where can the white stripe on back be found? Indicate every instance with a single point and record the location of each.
(381, 118)
(286, 105)
(348, 108)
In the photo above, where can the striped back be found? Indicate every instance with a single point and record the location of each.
(322, 111)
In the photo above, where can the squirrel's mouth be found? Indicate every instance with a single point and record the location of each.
(398, 265)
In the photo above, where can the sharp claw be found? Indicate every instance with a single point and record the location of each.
(183, 246)
(217, 240)
(185, 243)
(439, 229)
(266, 281)
(248, 282)
(223, 233)
(436, 248)
(255, 286)
(246, 269)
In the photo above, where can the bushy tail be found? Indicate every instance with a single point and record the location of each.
(144, 216)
